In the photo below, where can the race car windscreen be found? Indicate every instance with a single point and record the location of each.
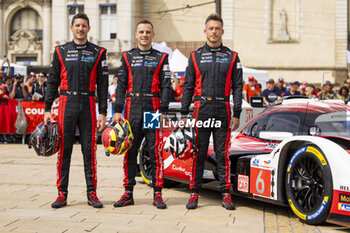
(334, 124)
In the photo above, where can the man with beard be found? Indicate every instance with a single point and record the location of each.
(213, 73)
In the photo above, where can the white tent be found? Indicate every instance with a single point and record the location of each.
(178, 62)
(260, 75)
(17, 69)
(162, 47)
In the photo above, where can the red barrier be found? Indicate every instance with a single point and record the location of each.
(33, 110)
(8, 114)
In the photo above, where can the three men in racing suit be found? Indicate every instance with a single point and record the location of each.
(213, 72)
(143, 85)
(77, 68)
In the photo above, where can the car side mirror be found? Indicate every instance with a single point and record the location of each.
(274, 135)
(314, 130)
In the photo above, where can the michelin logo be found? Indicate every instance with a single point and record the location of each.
(344, 207)
(151, 120)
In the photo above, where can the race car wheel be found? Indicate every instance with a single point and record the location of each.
(309, 184)
(145, 167)
(145, 163)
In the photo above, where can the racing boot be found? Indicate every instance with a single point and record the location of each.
(227, 202)
(126, 199)
(158, 200)
(192, 202)
(61, 200)
(93, 200)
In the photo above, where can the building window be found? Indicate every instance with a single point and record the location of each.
(108, 21)
(73, 10)
(26, 61)
(27, 19)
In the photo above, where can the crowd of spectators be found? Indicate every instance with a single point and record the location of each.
(276, 91)
(33, 88)
(14, 86)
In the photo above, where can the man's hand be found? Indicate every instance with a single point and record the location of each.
(117, 117)
(48, 117)
(101, 122)
(234, 124)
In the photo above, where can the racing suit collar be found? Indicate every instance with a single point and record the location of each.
(213, 49)
(80, 46)
(144, 52)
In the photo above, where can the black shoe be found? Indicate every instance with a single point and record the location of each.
(61, 200)
(193, 201)
(227, 202)
(125, 200)
(158, 200)
(93, 200)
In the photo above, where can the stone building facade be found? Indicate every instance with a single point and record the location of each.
(295, 39)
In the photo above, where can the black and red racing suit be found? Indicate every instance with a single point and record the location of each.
(77, 70)
(212, 74)
(143, 85)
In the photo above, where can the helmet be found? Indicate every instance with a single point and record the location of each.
(182, 143)
(45, 139)
(117, 138)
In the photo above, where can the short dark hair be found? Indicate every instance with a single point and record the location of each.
(215, 17)
(144, 21)
(44, 74)
(80, 16)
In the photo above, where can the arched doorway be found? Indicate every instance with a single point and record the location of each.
(25, 37)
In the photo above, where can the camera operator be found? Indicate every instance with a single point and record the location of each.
(18, 90)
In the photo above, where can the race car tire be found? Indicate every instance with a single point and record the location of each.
(145, 163)
(309, 186)
(145, 168)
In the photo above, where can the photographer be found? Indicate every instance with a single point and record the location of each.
(18, 90)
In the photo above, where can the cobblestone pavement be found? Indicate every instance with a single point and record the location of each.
(27, 188)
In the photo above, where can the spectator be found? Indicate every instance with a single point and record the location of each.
(5, 87)
(327, 92)
(293, 89)
(8, 82)
(4, 93)
(271, 93)
(344, 93)
(2, 73)
(111, 89)
(179, 89)
(302, 89)
(18, 90)
(260, 87)
(250, 89)
(309, 90)
(280, 85)
(40, 87)
(174, 83)
(347, 83)
(2, 77)
(31, 79)
(336, 90)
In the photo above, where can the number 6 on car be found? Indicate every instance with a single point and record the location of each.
(261, 181)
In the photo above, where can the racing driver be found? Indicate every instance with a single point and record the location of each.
(143, 85)
(213, 72)
(77, 68)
